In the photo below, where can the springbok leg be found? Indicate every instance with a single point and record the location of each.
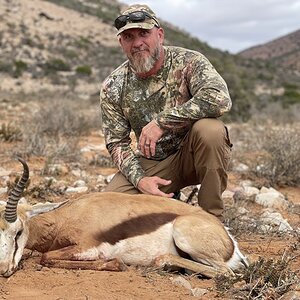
(68, 258)
(177, 261)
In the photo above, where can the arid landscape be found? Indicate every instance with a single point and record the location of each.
(56, 181)
(49, 115)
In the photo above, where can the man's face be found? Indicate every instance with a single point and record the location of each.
(142, 47)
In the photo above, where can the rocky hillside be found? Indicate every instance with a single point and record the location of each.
(67, 47)
(283, 51)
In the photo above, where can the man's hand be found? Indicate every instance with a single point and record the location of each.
(150, 185)
(150, 134)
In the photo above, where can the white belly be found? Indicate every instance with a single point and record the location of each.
(142, 249)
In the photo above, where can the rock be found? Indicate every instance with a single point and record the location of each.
(251, 192)
(198, 292)
(227, 195)
(241, 168)
(271, 198)
(76, 172)
(180, 281)
(245, 183)
(79, 189)
(271, 218)
(79, 183)
(58, 169)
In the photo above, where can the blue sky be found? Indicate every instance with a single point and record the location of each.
(231, 25)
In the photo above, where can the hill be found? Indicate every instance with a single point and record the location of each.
(68, 47)
(283, 51)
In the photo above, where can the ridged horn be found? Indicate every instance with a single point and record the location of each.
(10, 213)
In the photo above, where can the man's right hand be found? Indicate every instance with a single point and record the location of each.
(150, 185)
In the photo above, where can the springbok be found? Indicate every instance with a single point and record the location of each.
(106, 231)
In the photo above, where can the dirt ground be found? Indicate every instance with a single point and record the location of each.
(33, 281)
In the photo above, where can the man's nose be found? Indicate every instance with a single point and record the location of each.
(137, 42)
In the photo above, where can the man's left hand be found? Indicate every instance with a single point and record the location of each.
(150, 134)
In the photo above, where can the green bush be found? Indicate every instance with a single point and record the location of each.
(56, 64)
(20, 67)
(84, 70)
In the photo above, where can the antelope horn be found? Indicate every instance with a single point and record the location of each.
(10, 213)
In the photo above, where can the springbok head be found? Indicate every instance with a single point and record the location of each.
(14, 230)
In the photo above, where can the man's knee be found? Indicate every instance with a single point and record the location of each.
(209, 131)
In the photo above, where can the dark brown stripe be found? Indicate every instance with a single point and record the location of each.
(136, 226)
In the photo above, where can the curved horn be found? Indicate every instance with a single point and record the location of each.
(10, 213)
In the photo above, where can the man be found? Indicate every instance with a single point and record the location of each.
(170, 97)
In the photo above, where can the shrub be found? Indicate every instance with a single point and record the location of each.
(10, 133)
(20, 67)
(280, 159)
(56, 64)
(54, 130)
(84, 70)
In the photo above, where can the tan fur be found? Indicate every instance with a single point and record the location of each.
(134, 229)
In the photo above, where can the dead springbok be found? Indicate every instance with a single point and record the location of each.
(104, 231)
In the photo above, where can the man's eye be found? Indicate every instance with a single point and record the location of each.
(144, 33)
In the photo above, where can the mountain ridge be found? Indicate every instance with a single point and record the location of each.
(283, 51)
(68, 47)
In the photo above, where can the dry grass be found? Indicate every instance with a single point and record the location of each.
(271, 152)
(54, 130)
(264, 279)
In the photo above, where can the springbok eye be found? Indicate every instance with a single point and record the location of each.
(19, 234)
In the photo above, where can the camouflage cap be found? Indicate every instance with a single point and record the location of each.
(147, 23)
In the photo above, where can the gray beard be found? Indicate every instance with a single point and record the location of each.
(142, 64)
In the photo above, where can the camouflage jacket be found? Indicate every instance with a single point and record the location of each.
(187, 88)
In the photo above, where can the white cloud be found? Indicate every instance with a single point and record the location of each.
(231, 25)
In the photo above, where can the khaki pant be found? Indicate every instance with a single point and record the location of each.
(203, 158)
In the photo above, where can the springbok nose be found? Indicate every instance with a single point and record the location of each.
(8, 273)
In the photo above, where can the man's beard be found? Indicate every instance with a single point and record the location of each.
(144, 62)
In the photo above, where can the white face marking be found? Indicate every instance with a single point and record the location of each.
(12, 243)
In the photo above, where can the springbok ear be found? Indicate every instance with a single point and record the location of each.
(41, 208)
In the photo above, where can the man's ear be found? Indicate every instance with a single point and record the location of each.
(41, 208)
(161, 34)
(119, 39)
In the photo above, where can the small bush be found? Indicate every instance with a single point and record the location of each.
(280, 161)
(84, 70)
(10, 133)
(270, 151)
(56, 64)
(264, 279)
(20, 67)
(54, 130)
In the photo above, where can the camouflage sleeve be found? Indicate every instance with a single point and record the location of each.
(210, 96)
(116, 130)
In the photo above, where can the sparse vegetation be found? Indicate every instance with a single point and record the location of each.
(20, 67)
(10, 133)
(275, 151)
(54, 130)
(84, 70)
(264, 279)
(280, 159)
(56, 64)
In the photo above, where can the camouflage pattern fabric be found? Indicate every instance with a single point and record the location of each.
(187, 88)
